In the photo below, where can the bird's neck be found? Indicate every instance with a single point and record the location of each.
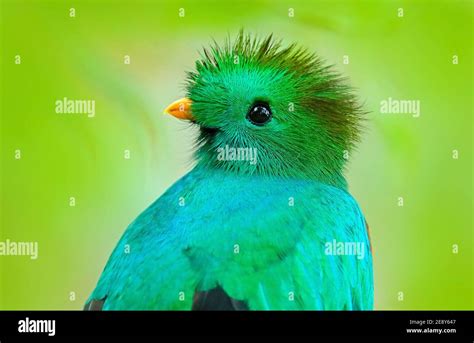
(335, 179)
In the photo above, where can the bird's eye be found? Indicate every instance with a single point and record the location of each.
(259, 114)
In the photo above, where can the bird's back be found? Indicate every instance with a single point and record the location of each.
(266, 243)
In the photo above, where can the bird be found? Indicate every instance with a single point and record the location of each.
(264, 220)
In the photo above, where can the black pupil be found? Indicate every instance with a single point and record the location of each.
(259, 114)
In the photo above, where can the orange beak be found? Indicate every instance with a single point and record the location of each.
(180, 109)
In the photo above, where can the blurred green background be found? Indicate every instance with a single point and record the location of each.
(82, 57)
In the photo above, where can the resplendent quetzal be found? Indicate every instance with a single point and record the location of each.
(264, 221)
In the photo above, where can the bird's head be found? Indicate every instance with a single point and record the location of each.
(270, 110)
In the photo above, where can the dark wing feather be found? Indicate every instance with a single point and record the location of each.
(217, 299)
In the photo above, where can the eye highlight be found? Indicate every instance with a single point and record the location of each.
(260, 113)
